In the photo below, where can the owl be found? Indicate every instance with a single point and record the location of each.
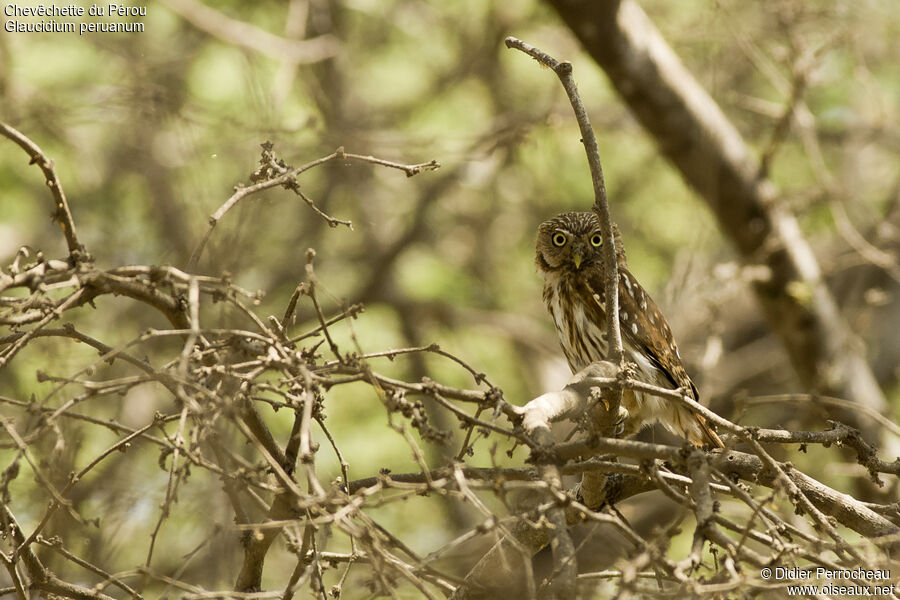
(570, 261)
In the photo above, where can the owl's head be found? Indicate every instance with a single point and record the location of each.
(573, 241)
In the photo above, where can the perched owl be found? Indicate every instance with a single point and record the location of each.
(569, 258)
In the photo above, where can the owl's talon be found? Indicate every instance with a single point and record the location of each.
(621, 417)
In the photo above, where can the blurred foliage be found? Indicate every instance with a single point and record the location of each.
(150, 132)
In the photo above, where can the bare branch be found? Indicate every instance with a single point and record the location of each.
(63, 214)
(274, 173)
(601, 205)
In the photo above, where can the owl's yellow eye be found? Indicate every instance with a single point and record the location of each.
(559, 240)
(596, 240)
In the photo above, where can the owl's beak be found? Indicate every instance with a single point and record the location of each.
(577, 260)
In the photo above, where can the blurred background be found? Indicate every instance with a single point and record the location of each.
(151, 131)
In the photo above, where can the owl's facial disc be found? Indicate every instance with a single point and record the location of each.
(569, 242)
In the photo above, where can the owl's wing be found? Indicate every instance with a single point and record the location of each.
(645, 329)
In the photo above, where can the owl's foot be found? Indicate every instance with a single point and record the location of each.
(621, 417)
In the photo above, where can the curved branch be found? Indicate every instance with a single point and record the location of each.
(63, 214)
(563, 70)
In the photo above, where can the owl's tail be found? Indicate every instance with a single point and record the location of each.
(693, 427)
(706, 437)
(699, 432)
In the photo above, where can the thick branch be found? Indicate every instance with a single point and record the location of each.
(844, 508)
(244, 34)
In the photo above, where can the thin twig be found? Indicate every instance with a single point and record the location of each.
(63, 214)
(282, 175)
(563, 70)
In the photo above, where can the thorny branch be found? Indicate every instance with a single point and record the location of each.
(273, 172)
